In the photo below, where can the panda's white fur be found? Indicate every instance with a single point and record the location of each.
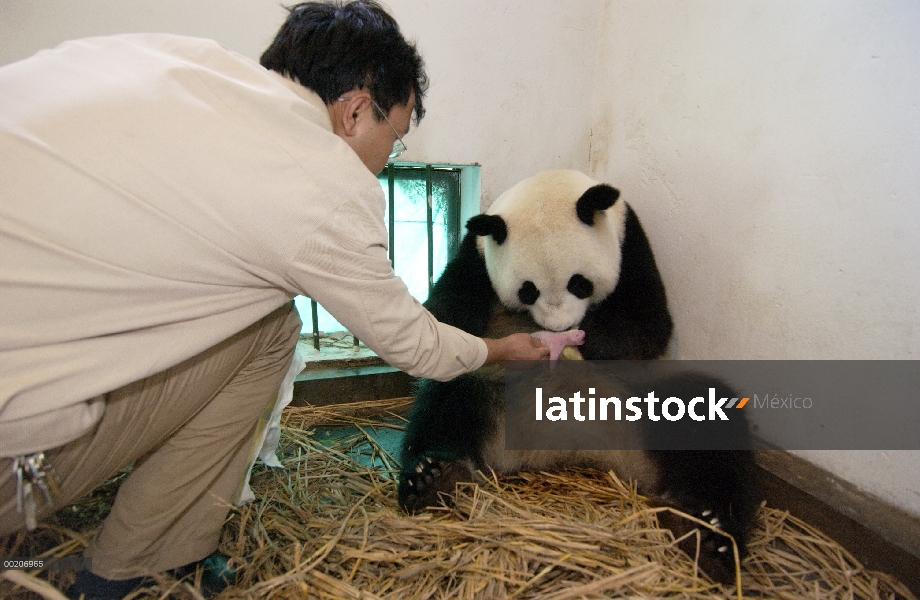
(563, 247)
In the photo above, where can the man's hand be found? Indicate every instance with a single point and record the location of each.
(517, 346)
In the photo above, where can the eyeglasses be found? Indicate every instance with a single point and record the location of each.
(398, 146)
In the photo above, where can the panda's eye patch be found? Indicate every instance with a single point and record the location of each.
(528, 293)
(580, 286)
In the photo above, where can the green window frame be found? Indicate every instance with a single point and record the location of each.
(427, 205)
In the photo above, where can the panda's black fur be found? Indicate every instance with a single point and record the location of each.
(455, 426)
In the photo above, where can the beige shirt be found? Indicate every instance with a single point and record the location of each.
(159, 194)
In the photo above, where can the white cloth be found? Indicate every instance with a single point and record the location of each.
(157, 195)
(268, 431)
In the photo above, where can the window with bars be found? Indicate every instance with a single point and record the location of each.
(426, 207)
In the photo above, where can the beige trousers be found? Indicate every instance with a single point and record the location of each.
(188, 431)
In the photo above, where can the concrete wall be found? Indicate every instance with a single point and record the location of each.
(773, 152)
(510, 84)
(246, 26)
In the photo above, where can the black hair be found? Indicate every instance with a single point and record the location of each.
(334, 47)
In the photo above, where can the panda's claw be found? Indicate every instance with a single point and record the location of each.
(715, 557)
(431, 482)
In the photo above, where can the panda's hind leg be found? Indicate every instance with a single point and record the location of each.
(717, 488)
(450, 424)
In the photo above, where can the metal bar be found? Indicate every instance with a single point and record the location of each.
(315, 315)
(454, 227)
(430, 227)
(391, 205)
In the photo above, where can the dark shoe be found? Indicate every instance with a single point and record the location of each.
(90, 586)
(216, 575)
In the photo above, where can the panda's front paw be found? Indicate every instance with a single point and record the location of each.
(431, 483)
(717, 558)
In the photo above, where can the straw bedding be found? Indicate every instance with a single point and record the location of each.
(327, 526)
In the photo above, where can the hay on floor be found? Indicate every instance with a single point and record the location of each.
(327, 527)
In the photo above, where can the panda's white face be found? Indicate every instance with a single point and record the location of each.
(551, 263)
(557, 310)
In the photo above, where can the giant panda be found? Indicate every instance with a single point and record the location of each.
(555, 252)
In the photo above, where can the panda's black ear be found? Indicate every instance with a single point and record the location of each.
(488, 225)
(599, 197)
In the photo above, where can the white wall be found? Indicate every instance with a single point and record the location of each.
(510, 84)
(246, 26)
(773, 152)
